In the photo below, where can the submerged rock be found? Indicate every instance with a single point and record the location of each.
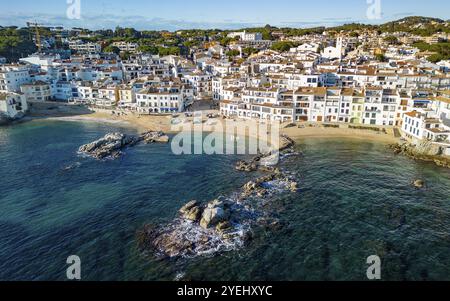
(285, 143)
(173, 244)
(419, 184)
(263, 185)
(293, 186)
(246, 166)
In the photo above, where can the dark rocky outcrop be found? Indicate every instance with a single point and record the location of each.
(199, 228)
(247, 166)
(266, 161)
(261, 186)
(112, 144)
(154, 137)
(223, 223)
(4, 120)
(108, 146)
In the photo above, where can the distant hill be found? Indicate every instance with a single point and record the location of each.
(423, 26)
(416, 20)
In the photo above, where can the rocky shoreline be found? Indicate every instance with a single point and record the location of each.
(423, 152)
(5, 120)
(266, 161)
(112, 144)
(225, 223)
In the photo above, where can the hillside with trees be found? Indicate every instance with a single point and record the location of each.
(16, 43)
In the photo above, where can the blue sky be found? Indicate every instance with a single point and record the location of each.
(181, 14)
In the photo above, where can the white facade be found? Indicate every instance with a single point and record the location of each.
(334, 52)
(202, 84)
(37, 91)
(89, 47)
(160, 101)
(12, 105)
(247, 36)
(12, 77)
(126, 47)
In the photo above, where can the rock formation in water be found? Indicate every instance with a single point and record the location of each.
(220, 224)
(108, 146)
(112, 144)
(425, 151)
(199, 229)
(266, 161)
(261, 186)
(419, 184)
(216, 212)
(154, 137)
(223, 223)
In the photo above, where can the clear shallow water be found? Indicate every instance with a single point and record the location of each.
(355, 201)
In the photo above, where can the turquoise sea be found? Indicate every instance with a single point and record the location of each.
(355, 201)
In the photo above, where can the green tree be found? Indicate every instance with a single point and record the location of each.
(283, 46)
(148, 49)
(16, 43)
(233, 53)
(125, 55)
(392, 40)
(111, 49)
(163, 51)
(381, 58)
(435, 58)
(249, 51)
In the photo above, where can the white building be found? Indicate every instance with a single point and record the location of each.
(337, 52)
(247, 36)
(160, 100)
(85, 47)
(202, 84)
(126, 46)
(314, 47)
(12, 77)
(12, 105)
(45, 62)
(38, 91)
(63, 90)
(418, 126)
(380, 106)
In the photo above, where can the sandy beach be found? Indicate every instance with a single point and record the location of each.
(163, 123)
(322, 132)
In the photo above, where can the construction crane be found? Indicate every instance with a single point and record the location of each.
(37, 27)
(38, 35)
